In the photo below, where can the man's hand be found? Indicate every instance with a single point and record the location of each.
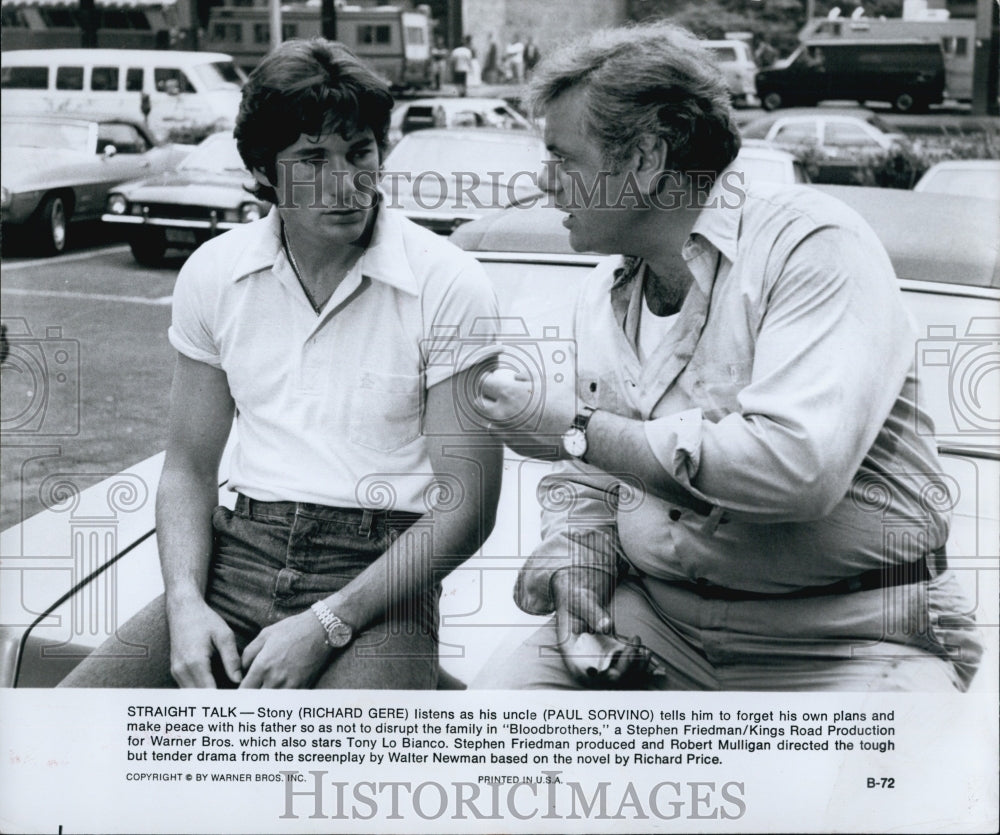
(287, 654)
(196, 634)
(581, 597)
(510, 400)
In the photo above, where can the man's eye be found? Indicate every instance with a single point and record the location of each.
(361, 153)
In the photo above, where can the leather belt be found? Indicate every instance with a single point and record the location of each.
(919, 571)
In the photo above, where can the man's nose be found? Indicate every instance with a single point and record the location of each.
(548, 179)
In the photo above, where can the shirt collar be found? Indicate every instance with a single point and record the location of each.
(384, 260)
(718, 221)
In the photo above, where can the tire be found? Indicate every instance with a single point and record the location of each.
(148, 246)
(51, 224)
(771, 101)
(905, 102)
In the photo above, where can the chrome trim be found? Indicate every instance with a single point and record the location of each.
(576, 259)
(584, 259)
(176, 222)
(945, 288)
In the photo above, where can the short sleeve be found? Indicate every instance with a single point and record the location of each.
(194, 303)
(463, 325)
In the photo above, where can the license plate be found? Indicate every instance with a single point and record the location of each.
(181, 236)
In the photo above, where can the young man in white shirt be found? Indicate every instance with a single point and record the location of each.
(340, 336)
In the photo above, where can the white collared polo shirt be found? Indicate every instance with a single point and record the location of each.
(330, 406)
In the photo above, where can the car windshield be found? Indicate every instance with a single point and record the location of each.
(446, 155)
(217, 153)
(968, 183)
(219, 75)
(29, 133)
(877, 122)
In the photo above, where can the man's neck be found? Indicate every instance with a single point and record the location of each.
(667, 278)
(320, 269)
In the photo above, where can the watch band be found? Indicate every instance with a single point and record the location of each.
(574, 439)
(338, 632)
(583, 418)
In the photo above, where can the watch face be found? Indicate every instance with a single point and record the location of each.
(339, 634)
(575, 442)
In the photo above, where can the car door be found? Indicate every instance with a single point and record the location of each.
(121, 153)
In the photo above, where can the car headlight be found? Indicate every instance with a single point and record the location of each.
(117, 204)
(249, 212)
(5, 197)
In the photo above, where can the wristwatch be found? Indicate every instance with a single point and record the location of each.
(338, 633)
(574, 439)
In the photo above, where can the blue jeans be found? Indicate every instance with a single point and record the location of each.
(272, 560)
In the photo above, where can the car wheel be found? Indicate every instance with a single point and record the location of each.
(772, 101)
(905, 103)
(51, 223)
(148, 246)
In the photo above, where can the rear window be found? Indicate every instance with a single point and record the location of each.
(24, 78)
(69, 78)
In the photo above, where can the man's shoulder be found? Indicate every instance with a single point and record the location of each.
(801, 205)
(233, 253)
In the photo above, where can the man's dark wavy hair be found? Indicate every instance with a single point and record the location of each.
(307, 87)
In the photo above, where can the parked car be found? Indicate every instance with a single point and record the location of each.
(739, 68)
(907, 73)
(443, 178)
(770, 165)
(834, 143)
(969, 177)
(455, 112)
(77, 570)
(59, 168)
(206, 194)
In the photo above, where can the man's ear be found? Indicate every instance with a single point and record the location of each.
(651, 160)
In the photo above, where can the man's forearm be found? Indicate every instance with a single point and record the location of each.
(184, 505)
(618, 444)
(420, 557)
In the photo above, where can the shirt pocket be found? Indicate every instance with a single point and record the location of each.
(385, 410)
(717, 386)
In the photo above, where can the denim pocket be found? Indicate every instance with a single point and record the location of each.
(385, 410)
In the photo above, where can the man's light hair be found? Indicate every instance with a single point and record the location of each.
(645, 80)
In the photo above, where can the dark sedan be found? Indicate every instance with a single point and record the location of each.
(206, 195)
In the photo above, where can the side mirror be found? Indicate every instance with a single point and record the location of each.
(109, 150)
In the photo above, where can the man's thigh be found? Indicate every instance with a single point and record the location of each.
(138, 655)
(399, 652)
(531, 663)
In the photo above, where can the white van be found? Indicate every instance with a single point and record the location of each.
(737, 64)
(182, 89)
